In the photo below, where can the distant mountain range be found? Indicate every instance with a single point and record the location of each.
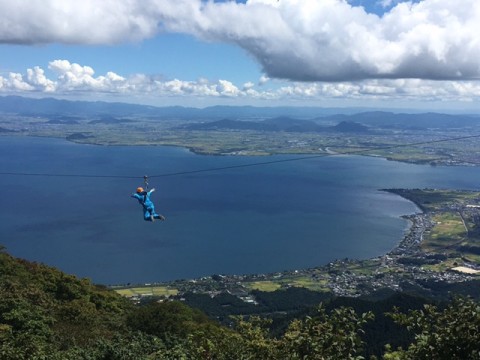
(356, 123)
(237, 117)
(50, 106)
(421, 121)
(278, 124)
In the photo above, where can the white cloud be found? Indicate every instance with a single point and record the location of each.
(307, 40)
(263, 79)
(248, 85)
(226, 88)
(14, 82)
(74, 22)
(330, 40)
(36, 79)
(73, 79)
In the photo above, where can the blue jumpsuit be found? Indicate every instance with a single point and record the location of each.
(148, 207)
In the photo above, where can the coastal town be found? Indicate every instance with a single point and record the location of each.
(417, 262)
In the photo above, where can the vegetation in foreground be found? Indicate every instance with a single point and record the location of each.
(46, 314)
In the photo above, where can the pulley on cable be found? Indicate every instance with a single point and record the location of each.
(145, 180)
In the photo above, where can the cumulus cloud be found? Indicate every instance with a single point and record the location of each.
(308, 40)
(76, 77)
(14, 82)
(263, 79)
(71, 79)
(75, 22)
(330, 40)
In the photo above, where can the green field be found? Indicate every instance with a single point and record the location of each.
(147, 291)
(456, 218)
(263, 285)
(133, 130)
(448, 231)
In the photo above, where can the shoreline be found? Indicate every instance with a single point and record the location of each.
(408, 245)
(394, 270)
(325, 152)
(403, 246)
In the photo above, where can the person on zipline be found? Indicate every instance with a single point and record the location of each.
(143, 198)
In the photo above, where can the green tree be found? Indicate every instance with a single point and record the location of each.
(257, 342)
(169, 319)
(248, 340)
(25, 322)
(326, 336)
(452, 333)
(44, 311)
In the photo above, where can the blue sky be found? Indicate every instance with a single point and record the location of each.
(381, 53)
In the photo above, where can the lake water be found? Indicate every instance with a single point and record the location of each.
(258, 219)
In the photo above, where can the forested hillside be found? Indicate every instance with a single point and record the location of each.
(47, 314)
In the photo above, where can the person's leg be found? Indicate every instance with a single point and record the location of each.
(147, 216)
(154, 214)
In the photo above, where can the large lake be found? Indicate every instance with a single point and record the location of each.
(258, 219)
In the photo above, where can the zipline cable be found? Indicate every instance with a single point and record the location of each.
(260, 163)
(70, 175)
